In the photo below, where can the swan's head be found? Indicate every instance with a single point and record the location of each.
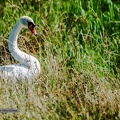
(27, 22)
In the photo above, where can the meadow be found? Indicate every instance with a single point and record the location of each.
(78, 47)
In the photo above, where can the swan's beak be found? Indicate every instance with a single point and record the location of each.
(34, 32)
(32, 29)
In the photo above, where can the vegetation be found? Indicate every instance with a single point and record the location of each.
(78, 46)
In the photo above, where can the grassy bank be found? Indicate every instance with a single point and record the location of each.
(78, 46)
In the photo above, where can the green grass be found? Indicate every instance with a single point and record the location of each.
(78, 46)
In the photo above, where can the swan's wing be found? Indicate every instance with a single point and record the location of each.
(5, 71)
(12, 68)
(6, 68)
(13, 71)
(17, 72)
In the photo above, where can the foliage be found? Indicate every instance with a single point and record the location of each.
(79, 50)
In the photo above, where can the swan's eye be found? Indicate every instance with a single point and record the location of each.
(31, 26)
(31, 23)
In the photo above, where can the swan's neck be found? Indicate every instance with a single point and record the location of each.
(12, 44)
(23, 58)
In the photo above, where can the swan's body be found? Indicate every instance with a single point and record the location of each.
(28, 67)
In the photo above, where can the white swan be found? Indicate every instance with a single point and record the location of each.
(28, 67)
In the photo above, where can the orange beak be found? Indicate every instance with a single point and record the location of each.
(32, 29)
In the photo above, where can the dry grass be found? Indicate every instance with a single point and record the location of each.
(78, 49)
(62, 93)
(57, 97)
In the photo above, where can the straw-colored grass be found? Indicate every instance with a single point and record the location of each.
(78, 48)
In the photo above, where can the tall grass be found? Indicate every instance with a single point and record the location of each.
(78, 46)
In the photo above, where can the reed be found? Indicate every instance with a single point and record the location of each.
(78, 46)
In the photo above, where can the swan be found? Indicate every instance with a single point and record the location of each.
(28, 66)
